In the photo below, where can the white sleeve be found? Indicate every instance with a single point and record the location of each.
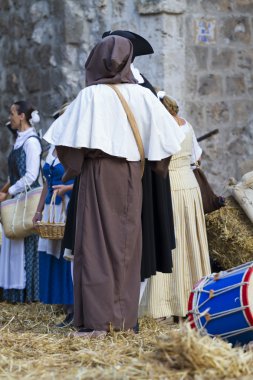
(32, 150)
(196, 150)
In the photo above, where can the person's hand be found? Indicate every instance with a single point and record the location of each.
(60, 190)
(37, 217)
(3, 196)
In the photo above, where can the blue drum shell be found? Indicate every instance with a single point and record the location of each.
(227, 323)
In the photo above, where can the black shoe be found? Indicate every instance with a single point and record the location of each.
(83, 329)
(68, 321)
(136, 328)
(222, 201)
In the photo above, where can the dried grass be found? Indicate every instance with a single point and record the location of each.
(31, 348)
(230, 235)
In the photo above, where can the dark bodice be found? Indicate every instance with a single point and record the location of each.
(17, 165)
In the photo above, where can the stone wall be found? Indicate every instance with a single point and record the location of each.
(203, 57)
(218, 92)
(31, 40)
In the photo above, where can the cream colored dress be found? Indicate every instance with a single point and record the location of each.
(167, 294)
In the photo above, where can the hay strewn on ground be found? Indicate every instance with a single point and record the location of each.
(30, 347)
(230, 235)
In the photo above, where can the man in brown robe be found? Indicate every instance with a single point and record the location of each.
(108, 239)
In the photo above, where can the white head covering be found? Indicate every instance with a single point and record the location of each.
(35, 117)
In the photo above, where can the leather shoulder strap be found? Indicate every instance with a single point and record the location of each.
(132, 123)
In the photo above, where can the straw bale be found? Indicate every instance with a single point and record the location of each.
(31, 348)
(203, 357)
(230, 235)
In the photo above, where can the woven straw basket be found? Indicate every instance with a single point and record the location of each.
(52, 230)
(17, 213)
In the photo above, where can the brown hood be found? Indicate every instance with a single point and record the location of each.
(109, 62)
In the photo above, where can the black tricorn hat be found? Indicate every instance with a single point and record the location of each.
(140, 45)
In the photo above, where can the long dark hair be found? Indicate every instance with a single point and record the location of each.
(26, 108)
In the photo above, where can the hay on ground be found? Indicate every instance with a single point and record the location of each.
(203, 357)
(31, 348)
(230, 235)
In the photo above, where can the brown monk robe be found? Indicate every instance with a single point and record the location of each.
(108, 234)
(94, 139)
(108, 239)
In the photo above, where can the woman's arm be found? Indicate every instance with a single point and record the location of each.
(196, 150)
(4, 192)
(62, 189)
(38, 214)
(3, 196)
(5, 187)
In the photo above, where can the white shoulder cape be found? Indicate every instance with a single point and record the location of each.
(97, 120)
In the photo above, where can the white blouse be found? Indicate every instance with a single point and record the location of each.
(137, 74)
(196, 150)
(51, 156)
(32, 150)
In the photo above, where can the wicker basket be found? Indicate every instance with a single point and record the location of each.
(52, 230)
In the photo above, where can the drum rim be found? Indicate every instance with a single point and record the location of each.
(192, 297)
(245, 296)
(190, 312)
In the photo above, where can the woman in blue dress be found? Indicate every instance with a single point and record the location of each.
(55, 282)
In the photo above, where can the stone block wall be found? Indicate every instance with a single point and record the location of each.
(31, 40)
(203, 57)
(218, 77)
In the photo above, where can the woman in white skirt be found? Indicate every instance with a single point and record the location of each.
(167, 294)
(19, 264)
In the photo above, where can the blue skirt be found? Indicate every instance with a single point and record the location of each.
(55, 281)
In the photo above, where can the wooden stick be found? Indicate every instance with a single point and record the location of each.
(207, 135)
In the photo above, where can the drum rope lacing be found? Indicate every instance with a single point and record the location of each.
(197, 315)
(232, 333)
(210, 317)
(213, 294)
